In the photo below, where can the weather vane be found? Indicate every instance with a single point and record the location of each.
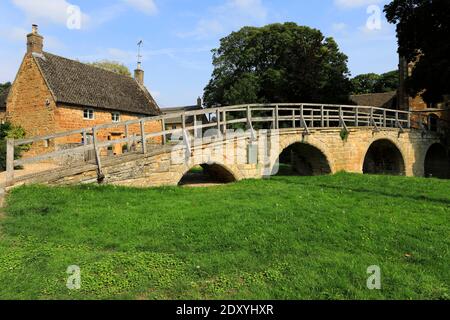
(140, 43)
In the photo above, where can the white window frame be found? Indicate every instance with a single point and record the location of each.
(90, 112)
(113, 114)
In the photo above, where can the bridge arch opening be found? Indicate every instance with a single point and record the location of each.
(302, 159)
(205, 174)
(437, 163)
(383, 157)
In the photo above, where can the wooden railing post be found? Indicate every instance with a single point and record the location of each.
(293, 119)
(249, 118)
(277, 117)
(302, 119)
(143, 137)
(397, 122)
(322, 116)
(100, 175)
(127, 134)
(372, 120)
(164, 137)
(356, 117)
(218, 122)
(224, 123)
(409, 120)
(384, 118)
(195, 127)
(9, 162)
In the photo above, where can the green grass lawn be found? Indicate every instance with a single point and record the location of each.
(283, 238)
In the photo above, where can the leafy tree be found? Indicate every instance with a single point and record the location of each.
(423, 27)
(113, 66)
(375, 83)
(4, 86)
(388, 81)
(365, 83)
(277, 63)
(7, 130)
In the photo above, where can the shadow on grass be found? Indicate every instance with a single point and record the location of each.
(359, 189)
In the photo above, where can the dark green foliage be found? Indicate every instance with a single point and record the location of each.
(423, 29)
(375, 83)
(113, 66)
(282, 238)
(7, 130)
(278, 63)
(4, 86)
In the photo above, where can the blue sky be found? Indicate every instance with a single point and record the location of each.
(178, 35)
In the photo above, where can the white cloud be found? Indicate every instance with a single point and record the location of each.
(355, 3)
(54, 11)
(231, 15)
(146, 6)
(18, 35)
(339, 27)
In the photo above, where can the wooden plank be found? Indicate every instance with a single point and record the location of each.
(143, 138)
(100, 175)
(47, 137)
(52, 155)
(127, 134)
(9, 162)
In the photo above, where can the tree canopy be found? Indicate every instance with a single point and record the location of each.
(423, 28)
(278, 63)
(4, 86)
(113, 66)
(375, 83)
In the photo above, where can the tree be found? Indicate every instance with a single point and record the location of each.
(365, 83)
(113, 66)
(278, 63)
(423, 27)
(375, 83)
(388, 81)
(7, 130)
(4, 86)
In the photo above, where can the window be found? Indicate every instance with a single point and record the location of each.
(115, 116)
(88, 114)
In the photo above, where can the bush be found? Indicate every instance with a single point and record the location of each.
(8, 130)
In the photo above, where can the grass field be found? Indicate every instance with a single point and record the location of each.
(283, 238)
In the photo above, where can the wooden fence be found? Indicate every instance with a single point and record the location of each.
(272, 116)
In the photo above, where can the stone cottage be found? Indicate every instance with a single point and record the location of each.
(53, 94)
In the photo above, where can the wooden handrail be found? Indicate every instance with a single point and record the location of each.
(307, 114)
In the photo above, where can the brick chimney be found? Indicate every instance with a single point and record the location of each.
(139, 74)
(35, 42)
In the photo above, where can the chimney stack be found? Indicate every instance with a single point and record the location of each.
(35, 42)
(139, 74)
(199, 102)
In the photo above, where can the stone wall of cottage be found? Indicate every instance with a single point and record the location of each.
(31, 105)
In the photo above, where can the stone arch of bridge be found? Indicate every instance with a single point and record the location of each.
(308, 155)
(384, 156)
(436, 162)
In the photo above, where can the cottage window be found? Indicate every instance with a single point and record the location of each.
(88, 114)
(115, 116)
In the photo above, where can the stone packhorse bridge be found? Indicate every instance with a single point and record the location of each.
(242, 142)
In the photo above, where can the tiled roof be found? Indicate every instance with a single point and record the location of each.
(76, 83)
(381, 100)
